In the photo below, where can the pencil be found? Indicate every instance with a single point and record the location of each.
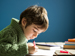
(34, 43)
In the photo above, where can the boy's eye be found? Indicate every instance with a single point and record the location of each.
(34, 30)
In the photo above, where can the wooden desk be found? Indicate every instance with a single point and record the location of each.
(57, 52)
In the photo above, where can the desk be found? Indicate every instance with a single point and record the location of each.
(54, 52)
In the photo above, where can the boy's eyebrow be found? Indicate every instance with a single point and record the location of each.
(35, 28)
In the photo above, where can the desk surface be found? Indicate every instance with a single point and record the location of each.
(56, 52)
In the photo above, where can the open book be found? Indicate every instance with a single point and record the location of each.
(48, 47)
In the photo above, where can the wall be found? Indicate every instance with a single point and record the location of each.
(61, 14)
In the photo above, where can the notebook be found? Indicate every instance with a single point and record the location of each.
(48, 47)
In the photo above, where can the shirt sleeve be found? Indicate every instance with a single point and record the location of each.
(9, 46)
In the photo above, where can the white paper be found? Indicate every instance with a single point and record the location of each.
(44, 52)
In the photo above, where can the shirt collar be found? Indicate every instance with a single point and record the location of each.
(15, 24)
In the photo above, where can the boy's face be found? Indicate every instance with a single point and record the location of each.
(32, 31)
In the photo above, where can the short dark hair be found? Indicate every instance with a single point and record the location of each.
(36, 15)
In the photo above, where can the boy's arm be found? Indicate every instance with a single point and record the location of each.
(7, 49)
(9, 46)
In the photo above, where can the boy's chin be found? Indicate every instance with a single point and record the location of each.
(30, 38)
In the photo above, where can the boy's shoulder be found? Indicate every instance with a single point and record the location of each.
(8, 34)
(8, 30)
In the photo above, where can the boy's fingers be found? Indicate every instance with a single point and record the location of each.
(36, 48)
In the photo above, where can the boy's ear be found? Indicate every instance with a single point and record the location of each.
(23, 22)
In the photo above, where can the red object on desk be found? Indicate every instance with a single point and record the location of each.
(34, 43)
(63, 51)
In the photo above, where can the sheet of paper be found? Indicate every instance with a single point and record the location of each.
(44, 52)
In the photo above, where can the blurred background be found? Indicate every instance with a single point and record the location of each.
(61, 14)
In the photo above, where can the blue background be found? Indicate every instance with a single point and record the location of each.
(61, 14)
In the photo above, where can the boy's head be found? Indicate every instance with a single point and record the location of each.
(34, 15)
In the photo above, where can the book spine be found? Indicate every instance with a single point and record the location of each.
(66, 42)
(70, 44)
(71, 40)
(68, 47)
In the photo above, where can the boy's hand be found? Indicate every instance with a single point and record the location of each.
(32, 49)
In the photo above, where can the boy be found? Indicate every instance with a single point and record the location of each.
(13, 39)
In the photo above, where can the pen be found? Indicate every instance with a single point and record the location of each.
(63, 51)
(34, 43)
